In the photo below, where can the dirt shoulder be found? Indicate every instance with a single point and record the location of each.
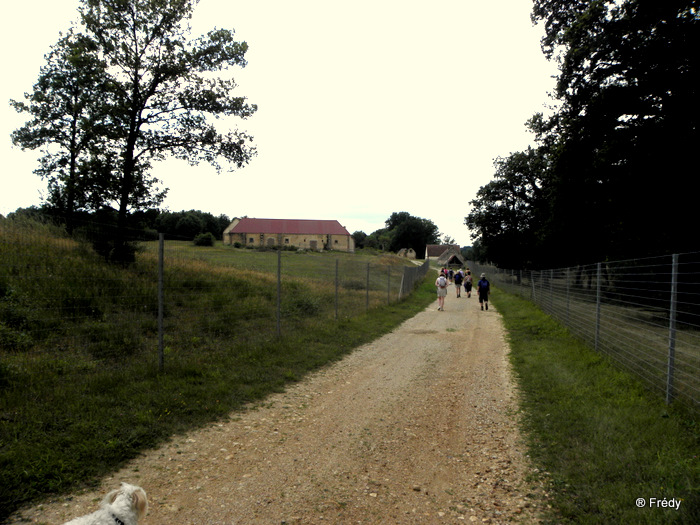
(416, 427)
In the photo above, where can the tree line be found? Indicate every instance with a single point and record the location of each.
(147, 224)
(610, 176)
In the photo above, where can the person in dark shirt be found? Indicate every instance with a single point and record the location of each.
(459, 278)
(483, 289)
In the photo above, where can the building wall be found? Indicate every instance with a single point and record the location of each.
(343, 243)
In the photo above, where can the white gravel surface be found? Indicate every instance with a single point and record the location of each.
(417, 427)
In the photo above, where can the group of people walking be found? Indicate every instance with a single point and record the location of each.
(461, 277)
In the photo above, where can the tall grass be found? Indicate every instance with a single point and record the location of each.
(603, 439)
(80, 387)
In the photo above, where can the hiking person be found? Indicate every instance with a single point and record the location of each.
(441, 283)
(459, 278)
(483, 288)
(468, 284)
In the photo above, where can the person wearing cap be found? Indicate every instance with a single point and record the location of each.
(483, 289)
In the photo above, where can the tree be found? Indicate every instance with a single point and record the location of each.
(161, 94)
(359, 237)
(505, 217)
(379, 239)
(69, 122)
(407, 231)
(628, 84)
(609, 178)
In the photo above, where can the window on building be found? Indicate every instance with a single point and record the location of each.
(251, 240)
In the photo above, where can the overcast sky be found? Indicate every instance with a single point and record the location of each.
(365, 108)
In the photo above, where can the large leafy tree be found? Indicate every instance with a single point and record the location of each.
(162, 95)
(408, 231)
(617, 181)
(505, 216)
(69, 123)
(628, 83)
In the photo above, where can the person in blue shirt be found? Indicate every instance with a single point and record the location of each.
(483, 289)
(459, 278)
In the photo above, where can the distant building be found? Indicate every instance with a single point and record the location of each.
(304, 234)
(408, 253)
(445, 254)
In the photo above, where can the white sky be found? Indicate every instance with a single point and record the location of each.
(365, 108)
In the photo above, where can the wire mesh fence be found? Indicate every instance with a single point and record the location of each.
(57, 293)
(99, 360)
(642, 313)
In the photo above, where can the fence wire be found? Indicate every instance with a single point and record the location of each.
(62, 306)
(642, 313)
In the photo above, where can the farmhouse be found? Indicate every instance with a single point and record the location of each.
(445, 254)
(304, 234)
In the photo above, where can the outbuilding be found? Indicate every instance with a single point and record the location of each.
(315, 235)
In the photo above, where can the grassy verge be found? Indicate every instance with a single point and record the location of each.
(601, 438)
(80, 389)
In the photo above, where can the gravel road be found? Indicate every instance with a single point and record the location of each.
(416, 427)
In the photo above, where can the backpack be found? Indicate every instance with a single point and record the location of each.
(442, 282)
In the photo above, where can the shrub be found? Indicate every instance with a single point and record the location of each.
(205, 239)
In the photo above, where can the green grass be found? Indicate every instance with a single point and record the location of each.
(601, 437)
(80, 386)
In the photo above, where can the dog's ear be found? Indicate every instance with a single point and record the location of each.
(111, 497)
(140, 501)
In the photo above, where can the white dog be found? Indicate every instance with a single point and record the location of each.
(124, 506)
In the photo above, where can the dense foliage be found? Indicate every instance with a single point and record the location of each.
(176, 225)
(610, 176)
(403, 230)
(127, 91)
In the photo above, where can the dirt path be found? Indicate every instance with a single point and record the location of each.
(416, 427)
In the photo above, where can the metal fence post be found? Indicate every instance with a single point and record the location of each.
(597, 306)
(279, 292)
(672, 329)
(336, 287)
(520, 281)
(161, 300)
(367, 297)
(551, 291)
(388, 285)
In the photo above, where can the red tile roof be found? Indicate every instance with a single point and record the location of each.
(289, 226)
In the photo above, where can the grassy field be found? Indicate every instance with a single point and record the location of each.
(80, 387)
(600, 439)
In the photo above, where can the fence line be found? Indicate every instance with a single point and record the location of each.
(642, 313)
(56, 296)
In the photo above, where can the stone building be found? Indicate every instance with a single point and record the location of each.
(304, 234)
(445, 254)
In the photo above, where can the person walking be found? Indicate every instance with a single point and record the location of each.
(468, 283)
(441, 283)
(483, 289)
(459, 278)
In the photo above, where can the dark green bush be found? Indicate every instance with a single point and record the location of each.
(205, 239)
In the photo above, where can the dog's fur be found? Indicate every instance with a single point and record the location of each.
(124, 506)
